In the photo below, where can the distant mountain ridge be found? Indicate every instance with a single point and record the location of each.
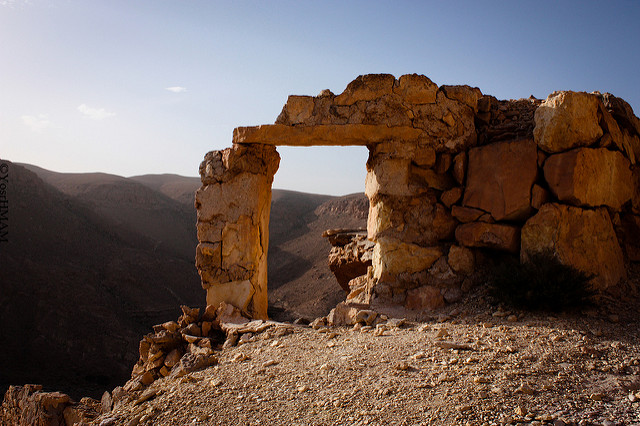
(176, 187)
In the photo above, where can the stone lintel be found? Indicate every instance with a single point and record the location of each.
(330, 134)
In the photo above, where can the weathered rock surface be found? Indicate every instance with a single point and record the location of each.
(467, 214)
(416, 220)
(392, 257)
(505, 120)
(539, 196)
(489, 235)
(360, 290)
(584, 239)
(567, 120)
(328, 134)
(416, 89)
(350, 260)
(343, 314)
(426, 297)
(28, 405)
(366, 88)
(500, 177)
(461, 260)
(590, 177)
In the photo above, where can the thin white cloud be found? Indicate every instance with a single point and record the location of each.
(95, 113)
(37, 123)
(11, 4)
(176, 89)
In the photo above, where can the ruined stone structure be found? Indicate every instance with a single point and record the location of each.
(451, 173)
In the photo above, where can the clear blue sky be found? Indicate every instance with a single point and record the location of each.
(84, 84)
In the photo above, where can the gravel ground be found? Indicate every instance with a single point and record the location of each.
(467, 366)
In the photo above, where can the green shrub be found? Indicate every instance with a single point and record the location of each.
(542, 283)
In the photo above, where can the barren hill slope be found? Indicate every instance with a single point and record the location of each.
(137, 211)
(179, 188)
(95, 259)
(75, 295)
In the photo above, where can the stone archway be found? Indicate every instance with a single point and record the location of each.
(450, 171)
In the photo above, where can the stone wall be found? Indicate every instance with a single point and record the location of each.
(451, 174)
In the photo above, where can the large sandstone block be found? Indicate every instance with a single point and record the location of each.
(631, 143)
(351, 260)
(387, 176)
(429, 178)
(583, 239)
(463, 93)
(627, 122)
(243, 195)
(567, 120)
(392, 257)
(222, 166)
(236, 293)
(343, 314)
(418, 153)
(590, 177)
(612, 131)
(417, 220)
(489, 235)
(297, 110)
(500, 177)
(329, 134)
(461, 260)
(366, 88)
(416, 89)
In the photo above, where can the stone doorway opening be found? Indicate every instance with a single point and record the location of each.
(328, 193)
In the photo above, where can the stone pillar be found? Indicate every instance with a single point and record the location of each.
(233, 206)
(406, 221)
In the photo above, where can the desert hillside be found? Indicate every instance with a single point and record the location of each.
(78, 289)
(94, 260)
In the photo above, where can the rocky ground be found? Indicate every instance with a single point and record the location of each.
(473, 364)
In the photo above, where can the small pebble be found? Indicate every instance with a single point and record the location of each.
(520, 411)
(526, 389)
(402, 366)
(442, 333)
